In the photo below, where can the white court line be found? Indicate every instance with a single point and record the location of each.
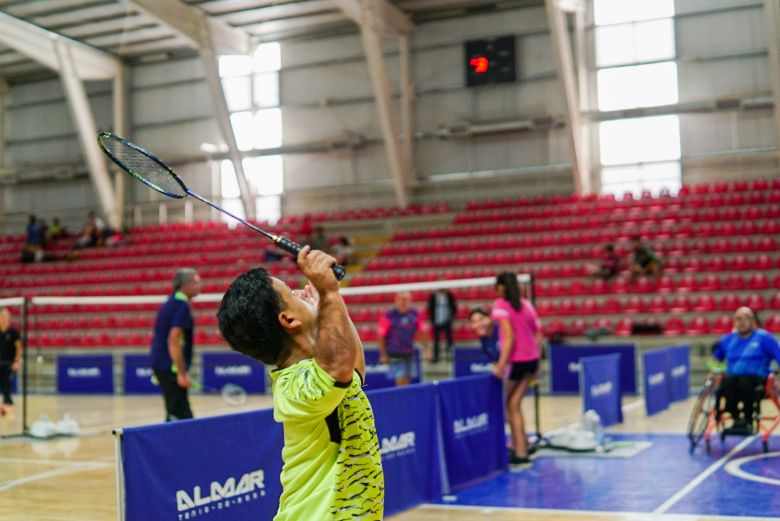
(633, 405)
(600, 514)
(734, 467)
(669, 503)
(78, 467)
(38, 461)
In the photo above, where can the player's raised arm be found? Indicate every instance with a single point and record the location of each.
(338, 344)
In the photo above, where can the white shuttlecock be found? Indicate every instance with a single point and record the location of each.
(43, 428)
(67, 426)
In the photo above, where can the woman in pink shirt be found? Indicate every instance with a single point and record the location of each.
(520, 332)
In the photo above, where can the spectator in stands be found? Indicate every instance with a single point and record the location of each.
(172, 345)
(486, 330)
(10, 358)
(645, 261)
(332, 466)
(343, 251)
(748, 352)
(441, 312)
(33, 247)
(397, 331)
(319, 240)
(520, 333)
(94, 232)
(56, 230)
(608, 267)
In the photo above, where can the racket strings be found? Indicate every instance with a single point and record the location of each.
(143, 167)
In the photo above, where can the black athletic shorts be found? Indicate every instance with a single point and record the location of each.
(522, 369)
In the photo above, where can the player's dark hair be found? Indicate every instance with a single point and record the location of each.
(511, 288)
(249, 317)
(478, 310)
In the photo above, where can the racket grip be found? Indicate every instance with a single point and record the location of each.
(293, 247)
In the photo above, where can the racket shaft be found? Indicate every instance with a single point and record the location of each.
(293, 247)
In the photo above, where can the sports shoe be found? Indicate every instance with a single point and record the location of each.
(514, 459)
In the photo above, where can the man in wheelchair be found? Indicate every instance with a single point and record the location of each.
(748, 352)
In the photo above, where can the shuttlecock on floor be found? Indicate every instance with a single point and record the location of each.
(67, 426)
(43, 428)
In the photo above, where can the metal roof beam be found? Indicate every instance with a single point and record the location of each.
(378, 15)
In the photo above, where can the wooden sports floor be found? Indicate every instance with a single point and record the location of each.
(74, 478)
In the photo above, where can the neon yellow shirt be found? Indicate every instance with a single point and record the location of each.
(332, 467)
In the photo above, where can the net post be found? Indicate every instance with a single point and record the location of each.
(25, 360)
(120, 475)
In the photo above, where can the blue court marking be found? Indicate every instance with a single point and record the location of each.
(639, 484)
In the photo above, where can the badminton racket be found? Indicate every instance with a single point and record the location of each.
(231, 394)
(147, 168)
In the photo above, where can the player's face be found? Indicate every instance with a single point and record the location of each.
(403, 301)
(300, 304)
(192, 288)
(480, 324)
(743, 323)
(5, 319)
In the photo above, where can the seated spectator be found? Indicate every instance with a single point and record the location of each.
(33, 248)
(342, 251)
(34, 232)
(645, 261)
(609, 266)
(320, 241)
(56, 230)
(94, 234)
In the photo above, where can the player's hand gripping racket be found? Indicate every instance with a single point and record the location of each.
(145, 167)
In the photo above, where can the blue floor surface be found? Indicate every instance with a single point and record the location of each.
(642, 483)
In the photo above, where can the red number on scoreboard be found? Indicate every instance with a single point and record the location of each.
(480, 64)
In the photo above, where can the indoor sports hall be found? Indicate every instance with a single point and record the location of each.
(553, 224)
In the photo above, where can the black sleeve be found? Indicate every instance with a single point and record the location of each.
(14, 335)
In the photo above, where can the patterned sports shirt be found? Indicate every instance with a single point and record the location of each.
(332, 467)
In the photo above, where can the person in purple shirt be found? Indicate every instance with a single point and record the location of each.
(748, 352)
(397, 331)
(609, 266)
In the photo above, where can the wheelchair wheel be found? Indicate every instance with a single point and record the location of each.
(700, 415)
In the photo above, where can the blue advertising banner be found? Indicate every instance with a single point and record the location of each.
(472, 417)
(601, 387)
(469, 361)
(224, 468)
(86, 374)
(406, 423)
(220, 369)
(656, 380)
(679, 372)
(378, 375)
(137, 375)
(565, 369)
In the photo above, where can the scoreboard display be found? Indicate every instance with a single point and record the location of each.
(490, 60)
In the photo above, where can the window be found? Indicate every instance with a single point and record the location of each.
(639, 153)
(635, 43)
(621, 11)
(639, 140)
(251, 85)
(637, 86)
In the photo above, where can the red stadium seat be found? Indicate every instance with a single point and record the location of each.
(698, 326)
(624, 327)
(729, 302)
(674, 326)
(680, 303)
(723, 324)
(704, 303)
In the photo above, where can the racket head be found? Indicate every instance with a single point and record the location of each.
(233, 394)
(143, 165)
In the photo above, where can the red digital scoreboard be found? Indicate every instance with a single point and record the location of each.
(490, 60)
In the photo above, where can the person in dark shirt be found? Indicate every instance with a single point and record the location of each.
(172, 345)
(10, 358)
(748, 352)
(486, 330)
(609, 266)
(645, 261)
(441, 312)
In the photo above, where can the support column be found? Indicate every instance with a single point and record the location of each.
(772, 10)
(210, 63)
(559, 34)
(87, 132)
(407, 102)
(372, 46)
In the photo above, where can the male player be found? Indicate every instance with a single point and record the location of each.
(748, 351)
(10, 358)
(332, 468)
(172, 344)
